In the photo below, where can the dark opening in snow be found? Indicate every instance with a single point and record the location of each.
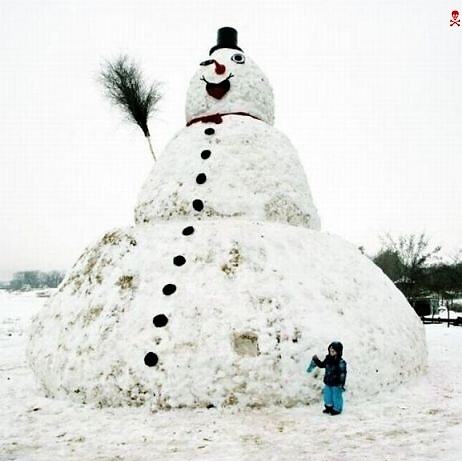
(209, 131)
(205, 154)
(246, 344)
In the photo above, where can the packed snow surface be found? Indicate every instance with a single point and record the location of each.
(253, 303)
(421, 420)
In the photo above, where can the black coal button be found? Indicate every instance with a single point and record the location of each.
(179, 260)
(198, 205)
(169, 289)
(151, 359)
(201, 178)
(188, 230)
(160, 320)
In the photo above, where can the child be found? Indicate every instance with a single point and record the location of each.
(334, 378)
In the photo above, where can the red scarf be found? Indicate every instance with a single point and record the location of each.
(217, 118)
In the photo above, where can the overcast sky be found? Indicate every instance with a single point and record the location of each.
(369, 93)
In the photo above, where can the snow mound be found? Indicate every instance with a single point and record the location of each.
(223, 315)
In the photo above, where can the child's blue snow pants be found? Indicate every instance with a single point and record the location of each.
(333, 397)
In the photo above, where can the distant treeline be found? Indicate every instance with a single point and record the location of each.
(30, 280)
(416, 268)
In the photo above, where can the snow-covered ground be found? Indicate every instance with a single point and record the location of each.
(422, 420)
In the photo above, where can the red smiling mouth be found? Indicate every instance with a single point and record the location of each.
(217, 90)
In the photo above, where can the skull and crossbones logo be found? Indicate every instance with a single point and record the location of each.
(454, 20)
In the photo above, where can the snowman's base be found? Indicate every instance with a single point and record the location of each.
(233, 322)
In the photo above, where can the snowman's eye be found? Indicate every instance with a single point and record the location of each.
(238, 57)
(207, 63)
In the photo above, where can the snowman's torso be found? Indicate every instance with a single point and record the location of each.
(252, 302)
(243, 168)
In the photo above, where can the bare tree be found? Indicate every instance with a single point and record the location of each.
(54, 278)
(390, 263)
(124, 85)
(415, 252)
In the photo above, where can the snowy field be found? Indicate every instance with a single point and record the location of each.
(421, 421)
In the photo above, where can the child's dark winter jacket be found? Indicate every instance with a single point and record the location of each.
(336, 368)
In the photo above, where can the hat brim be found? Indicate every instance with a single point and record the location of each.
(217, 47)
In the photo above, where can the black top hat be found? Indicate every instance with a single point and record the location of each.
(226, 38)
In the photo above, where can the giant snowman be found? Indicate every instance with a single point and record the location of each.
(225, 287)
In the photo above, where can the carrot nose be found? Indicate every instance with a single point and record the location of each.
(219, 68)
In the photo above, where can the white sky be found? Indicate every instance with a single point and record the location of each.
(369, 92)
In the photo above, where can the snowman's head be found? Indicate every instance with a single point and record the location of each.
(228, 81)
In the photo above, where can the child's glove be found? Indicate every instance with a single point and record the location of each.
(311, 366)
